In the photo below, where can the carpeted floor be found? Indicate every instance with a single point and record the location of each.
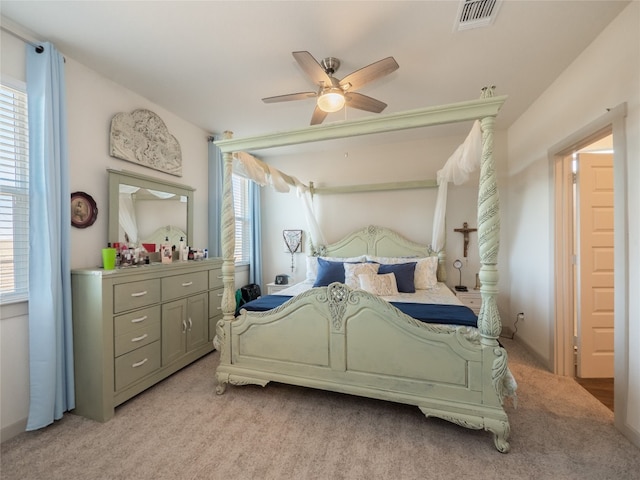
(180, 429)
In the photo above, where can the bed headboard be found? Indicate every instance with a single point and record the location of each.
(381, 242)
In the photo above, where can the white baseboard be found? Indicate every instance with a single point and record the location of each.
(13, 430)
(632, 434)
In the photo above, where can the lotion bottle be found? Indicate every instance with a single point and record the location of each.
(181, 250)
(165, 251)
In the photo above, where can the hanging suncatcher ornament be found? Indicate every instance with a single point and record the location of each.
(293, 242)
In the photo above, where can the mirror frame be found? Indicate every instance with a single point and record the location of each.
(117, 177)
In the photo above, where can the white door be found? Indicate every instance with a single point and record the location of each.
(595, 266)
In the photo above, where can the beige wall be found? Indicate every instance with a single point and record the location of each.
(605, 75)
(92, 101)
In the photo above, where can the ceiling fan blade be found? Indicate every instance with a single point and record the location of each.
(318, 116)
(312, 68)
(290, 96)
(362, 102)
(367, 74)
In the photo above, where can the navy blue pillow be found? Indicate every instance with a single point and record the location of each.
(329, 272)
(405, 274)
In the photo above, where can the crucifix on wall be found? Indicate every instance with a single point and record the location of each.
(465, 231)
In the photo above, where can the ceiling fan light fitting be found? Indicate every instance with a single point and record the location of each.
(331, 100)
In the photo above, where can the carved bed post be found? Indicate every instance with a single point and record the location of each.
(228, 236)
(488, 236)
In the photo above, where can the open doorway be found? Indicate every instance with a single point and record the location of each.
(585, 236)
(594, 287)
(611, 122)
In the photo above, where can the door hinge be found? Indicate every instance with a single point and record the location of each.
(574, 178)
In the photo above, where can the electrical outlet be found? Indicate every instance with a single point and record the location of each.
(520, 316)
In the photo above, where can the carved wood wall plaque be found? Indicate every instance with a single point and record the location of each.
(142, 137)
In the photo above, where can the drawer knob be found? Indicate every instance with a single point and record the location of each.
(187, 284)
(140, 338)
(139, 294)
(140, 363)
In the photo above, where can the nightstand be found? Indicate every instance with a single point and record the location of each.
(273, 288)
(471, 299)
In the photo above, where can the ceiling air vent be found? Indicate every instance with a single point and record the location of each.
(476, 13)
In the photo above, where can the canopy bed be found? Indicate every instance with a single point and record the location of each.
(346, 338)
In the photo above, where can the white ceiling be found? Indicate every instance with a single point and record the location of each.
(211, 62)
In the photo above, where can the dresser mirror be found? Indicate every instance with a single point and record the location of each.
(143, 210)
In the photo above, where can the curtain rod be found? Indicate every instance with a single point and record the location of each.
(39, 48)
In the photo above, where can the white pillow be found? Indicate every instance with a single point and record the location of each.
(312, 264)
(426, 273)
(382, 285)
(312, 269)
(353, 270)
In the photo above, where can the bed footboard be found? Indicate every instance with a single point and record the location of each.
(350, 341)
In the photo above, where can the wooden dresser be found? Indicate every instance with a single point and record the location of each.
(135, 326)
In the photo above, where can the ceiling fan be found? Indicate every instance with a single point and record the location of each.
(333, 94)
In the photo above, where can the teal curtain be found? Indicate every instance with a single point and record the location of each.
(255, 257)
(50, 327)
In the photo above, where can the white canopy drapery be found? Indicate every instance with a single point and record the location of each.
(252, 168)
(457, 169)
(464, 160)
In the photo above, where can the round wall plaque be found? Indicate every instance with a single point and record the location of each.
(83, 210)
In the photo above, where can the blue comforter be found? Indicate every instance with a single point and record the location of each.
(425, 312)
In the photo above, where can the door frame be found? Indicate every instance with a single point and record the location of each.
(613, 122)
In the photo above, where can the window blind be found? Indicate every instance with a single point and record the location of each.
(14, 196)
(243, 219)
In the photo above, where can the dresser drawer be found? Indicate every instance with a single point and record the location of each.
(181, 285)
(137, 338)
(135, 320)
(215, 278)
(127, 296)
(215, 302)
(137, 364)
